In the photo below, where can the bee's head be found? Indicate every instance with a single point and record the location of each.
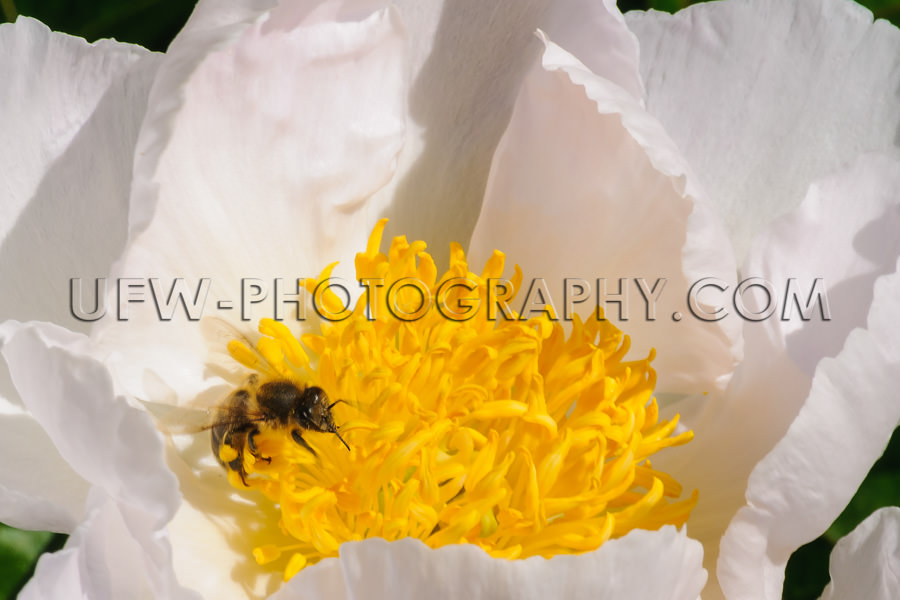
(313, 411)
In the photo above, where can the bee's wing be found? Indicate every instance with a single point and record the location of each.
(219, 333)
(175, 419)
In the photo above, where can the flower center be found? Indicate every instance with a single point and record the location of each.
(464, 426)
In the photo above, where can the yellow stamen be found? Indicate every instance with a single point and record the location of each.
(507, 434)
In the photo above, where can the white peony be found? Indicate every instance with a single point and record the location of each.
(731, 140)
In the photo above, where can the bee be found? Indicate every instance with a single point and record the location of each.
(277, 404)
(272, 402)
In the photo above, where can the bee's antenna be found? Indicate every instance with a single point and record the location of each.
(342, 440)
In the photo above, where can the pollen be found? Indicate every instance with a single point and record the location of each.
(466, 425)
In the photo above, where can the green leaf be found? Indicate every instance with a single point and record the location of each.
(806, 574)
(668, 5)
(9, 9)
(150, 23)
(19, 551)
(807, 570)
(880, 488)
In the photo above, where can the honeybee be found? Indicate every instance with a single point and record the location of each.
(278, 404)
(272, 402)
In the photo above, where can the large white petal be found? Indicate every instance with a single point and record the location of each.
(38, 488)
(112, 554)
(114, 446)
(643, 565)
(864, 563)
(845, 232)
(799, 488)
(841, 232)
(586, 184)
(108, 442)
(69, 117)
(263, 145)
(282, 129)
(464, 65)
(733, 430)
(765, 96)
(467, 61)
(55, 575)
(216, 525)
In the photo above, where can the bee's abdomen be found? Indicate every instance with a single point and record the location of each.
(216, 438)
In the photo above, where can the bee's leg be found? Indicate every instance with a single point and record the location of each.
(299, 439)
(243, 474)
(251, 442)
(237, 465)
(237, 439)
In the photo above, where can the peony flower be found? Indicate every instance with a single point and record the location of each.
(268, 142)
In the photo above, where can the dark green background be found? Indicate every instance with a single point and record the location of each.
(153, 23)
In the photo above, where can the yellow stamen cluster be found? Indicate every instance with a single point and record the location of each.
(507, 434)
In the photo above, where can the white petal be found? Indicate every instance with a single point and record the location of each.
(803, 484)
(38, 489)
(467, 61)
(586, 184)
(842, 232)
(651, 565)
(108, 442)
(262, 168)
(120, 549)
(69, 117)
(733, 430)
(764, 96)
(279, 139)
(864, 563)
(112, 554)
(845, 233)
(56, 576)
(215, 526)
